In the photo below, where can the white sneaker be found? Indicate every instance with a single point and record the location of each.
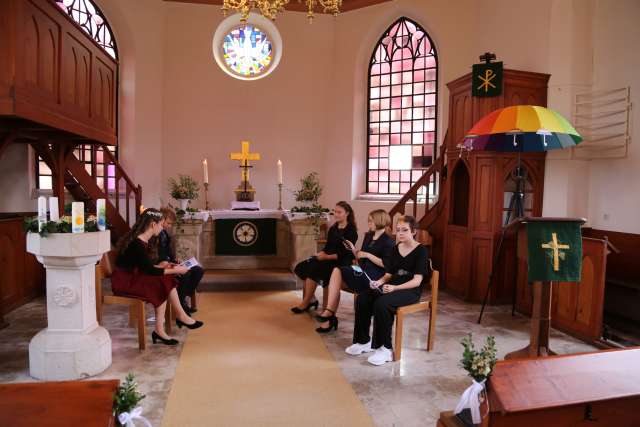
(356, 349)
(381, 356)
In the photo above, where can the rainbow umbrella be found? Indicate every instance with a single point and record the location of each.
(522, 128)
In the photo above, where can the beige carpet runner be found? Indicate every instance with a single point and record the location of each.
(254, 363)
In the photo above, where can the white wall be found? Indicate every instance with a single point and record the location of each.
(178, 107)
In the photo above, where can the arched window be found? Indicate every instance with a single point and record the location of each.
(91, 19)
(403, 82)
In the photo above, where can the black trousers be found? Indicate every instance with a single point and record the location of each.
(383, 309)
(188, 282)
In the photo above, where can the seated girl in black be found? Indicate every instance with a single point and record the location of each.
(317, 269)
(401, 285)
(376, 248)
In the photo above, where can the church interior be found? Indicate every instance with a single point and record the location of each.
(319, 212)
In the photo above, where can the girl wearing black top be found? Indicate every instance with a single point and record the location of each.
(317, 269)
(376, 247)
(137, 276)
(406, 268)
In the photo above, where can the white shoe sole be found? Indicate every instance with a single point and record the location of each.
(359, 352)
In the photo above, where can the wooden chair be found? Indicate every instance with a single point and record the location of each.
(137, 318)
(429, 304)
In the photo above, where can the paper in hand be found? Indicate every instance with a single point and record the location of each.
(191, 262)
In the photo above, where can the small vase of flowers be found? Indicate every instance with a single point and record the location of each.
(473, 406)
(184, 189)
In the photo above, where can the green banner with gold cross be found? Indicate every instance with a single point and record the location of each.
(486, 79)
(554, 251)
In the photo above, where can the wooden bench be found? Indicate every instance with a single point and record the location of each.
(58, 403)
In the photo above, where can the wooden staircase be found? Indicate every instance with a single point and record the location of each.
(103, 178)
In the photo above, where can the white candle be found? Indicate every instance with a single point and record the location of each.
(77, 217)
(101, 213)
(280, 181)
(54, 213)
(206, 171)
(42, 212)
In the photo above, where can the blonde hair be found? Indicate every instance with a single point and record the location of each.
(380, 218)
(168, 213)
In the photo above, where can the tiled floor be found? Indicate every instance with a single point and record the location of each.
(411, 392)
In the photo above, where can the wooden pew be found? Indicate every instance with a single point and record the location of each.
(58, 404)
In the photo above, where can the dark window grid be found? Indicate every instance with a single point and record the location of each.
(83, 153)
(101, 33)
(390, 86)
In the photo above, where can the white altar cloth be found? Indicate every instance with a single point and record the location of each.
(236, 214)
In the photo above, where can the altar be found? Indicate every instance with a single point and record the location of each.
(223, 239)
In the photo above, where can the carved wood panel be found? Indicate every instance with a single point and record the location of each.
(481, 261)
(63, 79)
(484, 191)
(38, 70)
(457, 261)
(76, 76)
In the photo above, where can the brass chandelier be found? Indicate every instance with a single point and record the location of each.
(270, 8)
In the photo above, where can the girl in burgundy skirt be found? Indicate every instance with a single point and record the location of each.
(136, 275)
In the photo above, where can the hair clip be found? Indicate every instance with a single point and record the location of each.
(156, 214)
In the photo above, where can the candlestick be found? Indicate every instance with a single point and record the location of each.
(77, 217)
(54, 212)
(280, 181)
(280, 196)
(101, 214)
(206, 200)
(42, 212)
(206, 171)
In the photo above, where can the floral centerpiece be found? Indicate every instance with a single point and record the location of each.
(479, 365)
(308, 195)
(183, 189)
(125, 403)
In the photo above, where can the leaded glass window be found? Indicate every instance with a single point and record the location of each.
(403, 81)
(86, 14)
(247, 50)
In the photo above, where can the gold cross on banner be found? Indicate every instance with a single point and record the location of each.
(244, 158)
(555, 247)
(488, 76)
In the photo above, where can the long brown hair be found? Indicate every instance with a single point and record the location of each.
(351, 217)
(150, 215)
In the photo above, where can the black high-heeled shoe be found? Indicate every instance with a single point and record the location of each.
(326, 318)
(196, 325)
(333, 324)
(298, 310)
(155, 337)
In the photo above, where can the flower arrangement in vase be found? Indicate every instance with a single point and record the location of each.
(308, 195)
(184, 189)
(473, 406)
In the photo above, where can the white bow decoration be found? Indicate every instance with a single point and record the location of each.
(470, 399)
(126, 418)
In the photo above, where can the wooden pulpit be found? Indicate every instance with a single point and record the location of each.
(547, 260)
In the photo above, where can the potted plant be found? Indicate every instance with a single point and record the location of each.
(308, 195)
(473, 406)
(184, 189)
(125, 403)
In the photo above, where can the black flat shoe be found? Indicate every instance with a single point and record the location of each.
(333, 324)
(155, 338)
(326, 318)
(188, 310)
(196, 325)
(298, 310)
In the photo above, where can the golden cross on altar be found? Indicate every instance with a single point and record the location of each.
(244, 156)
(555, 247)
